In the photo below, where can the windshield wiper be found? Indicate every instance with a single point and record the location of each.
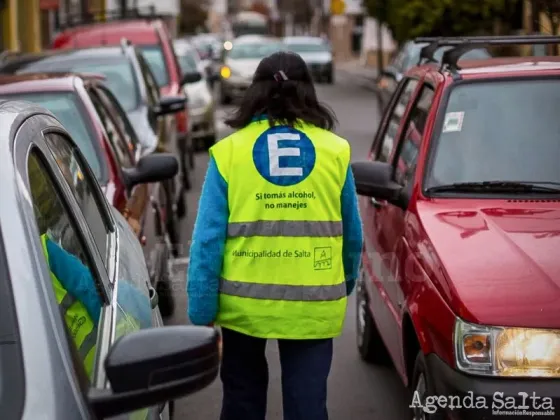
(500, 186)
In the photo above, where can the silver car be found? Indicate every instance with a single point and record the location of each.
(64, 251)
(241, 61)
(317, 54)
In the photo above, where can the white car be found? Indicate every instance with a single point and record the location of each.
(241, 61)
(200, 96)
(317, 54)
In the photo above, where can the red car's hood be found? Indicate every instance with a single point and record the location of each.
(501, 259)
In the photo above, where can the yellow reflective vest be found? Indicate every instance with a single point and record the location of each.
(80, 326)
(282, 273)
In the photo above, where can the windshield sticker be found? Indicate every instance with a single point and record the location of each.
(453, 122)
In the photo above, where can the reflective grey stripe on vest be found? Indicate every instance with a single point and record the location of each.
(282, 292)
(88, 343)
(285, 228)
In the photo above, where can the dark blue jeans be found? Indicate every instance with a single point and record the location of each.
(305, 368)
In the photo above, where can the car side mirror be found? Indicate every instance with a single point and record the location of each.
(375, 179)
(170, 105)
(191, 77)
(155, 365)
(156, 167)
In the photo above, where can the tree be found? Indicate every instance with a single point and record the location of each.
(411, 18)
(194, 14)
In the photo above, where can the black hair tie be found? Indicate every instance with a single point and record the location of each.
(280, 76)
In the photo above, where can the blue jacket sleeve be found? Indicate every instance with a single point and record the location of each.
(76, 278)
(352, 236)
(135, 303)
(207, 248)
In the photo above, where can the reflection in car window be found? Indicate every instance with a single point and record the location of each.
(254, 51)
(116, 140)
(499, 131)
(121, 79)
(72, 169)
(187, 62)
(155, 58)
(395, 121)
(70, 112)
(73, 282)
(406, 164)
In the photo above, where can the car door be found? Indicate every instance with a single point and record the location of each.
(123, 150)
(128, 278)
(378, 238)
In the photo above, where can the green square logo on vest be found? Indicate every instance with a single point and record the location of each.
(284, 155)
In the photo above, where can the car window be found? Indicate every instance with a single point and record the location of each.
(413, 132)
(75, 284)
(116, 138)
(152, 88)
(311, 47)
(486, 135)
(387, 144)
(121, 119)
(187, 62)
(156, 60)
(83, 188)
(121, 79)
(69, 110)
(254, 51)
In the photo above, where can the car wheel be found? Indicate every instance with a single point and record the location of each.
(225, 99)
(166, 303)
(172, 212)
(420, 388)
(183, 157)
(171, 407)
(209, 141)
(369, 341)
(191, 157)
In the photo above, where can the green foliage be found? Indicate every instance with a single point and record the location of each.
(411, 18)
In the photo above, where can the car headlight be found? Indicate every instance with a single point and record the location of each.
(505, 351)
(225, 72)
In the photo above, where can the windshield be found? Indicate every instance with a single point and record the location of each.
(154, 56)
(499, 131)
(120, 79)
(187, 62)
(308, 48)
(67, 109)
(254, 51)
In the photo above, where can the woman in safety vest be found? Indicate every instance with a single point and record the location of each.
(277, 243)
(79, 301)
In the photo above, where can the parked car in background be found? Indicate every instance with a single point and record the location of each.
(201, 97)
(407, 57)
(241, 61)
(89, 111)
(154, 40)
(460, 280)
(210, 48)
(53, 216)
(129, 77)
(317, 54)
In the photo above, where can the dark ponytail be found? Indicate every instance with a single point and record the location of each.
(283, 90)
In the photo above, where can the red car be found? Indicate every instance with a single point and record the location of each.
(460, 280)
(94, 118)
(153, 38)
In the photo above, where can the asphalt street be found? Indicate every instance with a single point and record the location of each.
(356, 390)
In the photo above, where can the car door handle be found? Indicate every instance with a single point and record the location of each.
(377, 204)
(154, 298)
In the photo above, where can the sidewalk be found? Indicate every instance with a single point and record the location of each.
(366, 75)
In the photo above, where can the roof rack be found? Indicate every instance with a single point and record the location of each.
(427, 53)
(71, 20)
(462, 45)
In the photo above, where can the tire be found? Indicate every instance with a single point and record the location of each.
(209, 141)
(166, 303)
(171, 407)
(330, 78)
(422, 385)
(171, 215)
(183, 157)
(370, 344)
(225, 99)
(191, 158)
